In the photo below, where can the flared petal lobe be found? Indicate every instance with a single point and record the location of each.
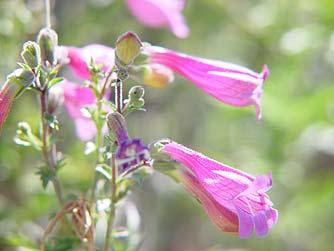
(79, 58)
(160, 13)
(230, 83)
(227, 192)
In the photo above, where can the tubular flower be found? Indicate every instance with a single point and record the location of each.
(79, 58)
(235, 201)
(161, 13)
(16, 82)
(130, 152)
(7, 94)
(230, 83)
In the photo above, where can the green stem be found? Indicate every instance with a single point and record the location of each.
(47, 14)
(98, 143)
(119, 95)
(113, 199)
(49, 151)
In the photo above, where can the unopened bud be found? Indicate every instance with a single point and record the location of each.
(136, 92)
(116, 123)
(21, 76)
(23, 128)
(48, 41)
(154, 75)
(128, 47)
(31, 54)
(55, 100)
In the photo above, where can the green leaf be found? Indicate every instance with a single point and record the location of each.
(105, 170)
(19, 240)
(55, 81)
(45, 175)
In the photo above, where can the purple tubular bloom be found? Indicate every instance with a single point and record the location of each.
(235, 201)
(230, 83)
(130, 153)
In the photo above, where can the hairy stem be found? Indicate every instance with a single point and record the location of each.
(49, 149)
(47, 14)
(98, 143)
(119, 95)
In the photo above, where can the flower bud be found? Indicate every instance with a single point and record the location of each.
(116, 123)
(55, 100)
(136, 92)
(23, 128)
(128, 47)
(31, 54)
(21, 76)
(48, 41)
(154, 75)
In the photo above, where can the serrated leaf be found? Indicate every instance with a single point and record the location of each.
(45, 175)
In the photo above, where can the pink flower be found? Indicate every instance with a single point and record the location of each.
(76, 98)
(7, 94)
(79, 58)
(232, 84)
(161, 13)
(235, 201)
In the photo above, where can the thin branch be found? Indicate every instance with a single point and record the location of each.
(47, 14)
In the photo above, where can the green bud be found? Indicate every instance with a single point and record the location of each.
(23, 128)
(128, 47)
(136, 92)
(122, 74)
(21, 76)
(31, 54)
(47, 40)
(55, 99)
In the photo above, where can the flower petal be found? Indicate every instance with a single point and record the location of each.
(230, 83)
(161, 13)
(79, 58)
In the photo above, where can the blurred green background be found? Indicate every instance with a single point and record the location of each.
(295, 138)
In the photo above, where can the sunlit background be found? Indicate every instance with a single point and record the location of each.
(295, 138)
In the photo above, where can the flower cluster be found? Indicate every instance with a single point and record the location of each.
(235, 201)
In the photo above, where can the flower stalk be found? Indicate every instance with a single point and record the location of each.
(49, 148)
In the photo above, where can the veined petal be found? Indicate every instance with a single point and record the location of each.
(230, 83)
(225, 219)
(236, 191)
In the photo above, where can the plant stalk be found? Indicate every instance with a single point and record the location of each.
(49, 150)
(47, 14)
(113, 199)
